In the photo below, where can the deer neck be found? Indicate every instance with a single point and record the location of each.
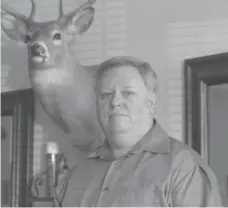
(65, 74)
(48, 74)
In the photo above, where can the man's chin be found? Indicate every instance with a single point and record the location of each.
(120, 129)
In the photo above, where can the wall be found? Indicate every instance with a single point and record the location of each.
(163, 33)
(167, 32)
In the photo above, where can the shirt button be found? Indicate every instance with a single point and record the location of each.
(117, 162)
(106, 188)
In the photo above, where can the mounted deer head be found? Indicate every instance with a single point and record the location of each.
(63, 86)
(46, 40)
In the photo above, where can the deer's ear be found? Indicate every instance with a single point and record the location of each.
(14, 28)
(80, 22)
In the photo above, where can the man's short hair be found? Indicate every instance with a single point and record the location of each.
(146, 72)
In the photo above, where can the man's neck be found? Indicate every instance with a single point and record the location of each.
(120, 150)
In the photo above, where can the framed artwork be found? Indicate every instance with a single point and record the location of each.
(206, 120)
(17, 117)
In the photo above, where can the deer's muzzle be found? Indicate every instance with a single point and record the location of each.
(37, 50)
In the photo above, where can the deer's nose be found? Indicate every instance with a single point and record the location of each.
(37, 49)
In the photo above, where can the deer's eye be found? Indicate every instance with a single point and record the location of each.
(27, 38)
(57, 36)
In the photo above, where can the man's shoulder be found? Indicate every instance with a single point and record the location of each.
(182, 153)
(186, 159)
(187, 162)
(177, 146)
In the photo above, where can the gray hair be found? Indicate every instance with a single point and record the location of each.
(145, 70)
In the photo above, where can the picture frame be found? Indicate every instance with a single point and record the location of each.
(17, 107)
(199, 75)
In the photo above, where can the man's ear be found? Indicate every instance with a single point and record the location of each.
(14, 28)
(152, 100)
(80, 22)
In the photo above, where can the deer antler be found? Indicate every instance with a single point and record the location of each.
(61, 13)
(33, 11)
(6, 8)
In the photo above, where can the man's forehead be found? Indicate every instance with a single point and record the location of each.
(133, 84)
(121, 76)
(124, 73)
(121, 81)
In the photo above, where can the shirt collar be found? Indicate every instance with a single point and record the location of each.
(155, 141)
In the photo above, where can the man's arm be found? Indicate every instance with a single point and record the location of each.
(194, 184)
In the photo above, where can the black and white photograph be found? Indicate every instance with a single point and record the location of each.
(114, 103)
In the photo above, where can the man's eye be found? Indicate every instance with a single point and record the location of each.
(128, 93)
(106, 94)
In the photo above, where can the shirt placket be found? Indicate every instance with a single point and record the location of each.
(106, 186)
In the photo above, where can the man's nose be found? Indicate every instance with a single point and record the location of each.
(117, 99)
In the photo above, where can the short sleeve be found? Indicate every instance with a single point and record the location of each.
(194, 184)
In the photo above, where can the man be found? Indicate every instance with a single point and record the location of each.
(138, 164)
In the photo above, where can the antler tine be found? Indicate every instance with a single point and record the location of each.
(33, 10)
(61, 13)
(86, 4)
(6, 8)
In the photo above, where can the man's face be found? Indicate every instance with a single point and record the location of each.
(123, 101)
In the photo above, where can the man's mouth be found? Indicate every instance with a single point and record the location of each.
(118, 115)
